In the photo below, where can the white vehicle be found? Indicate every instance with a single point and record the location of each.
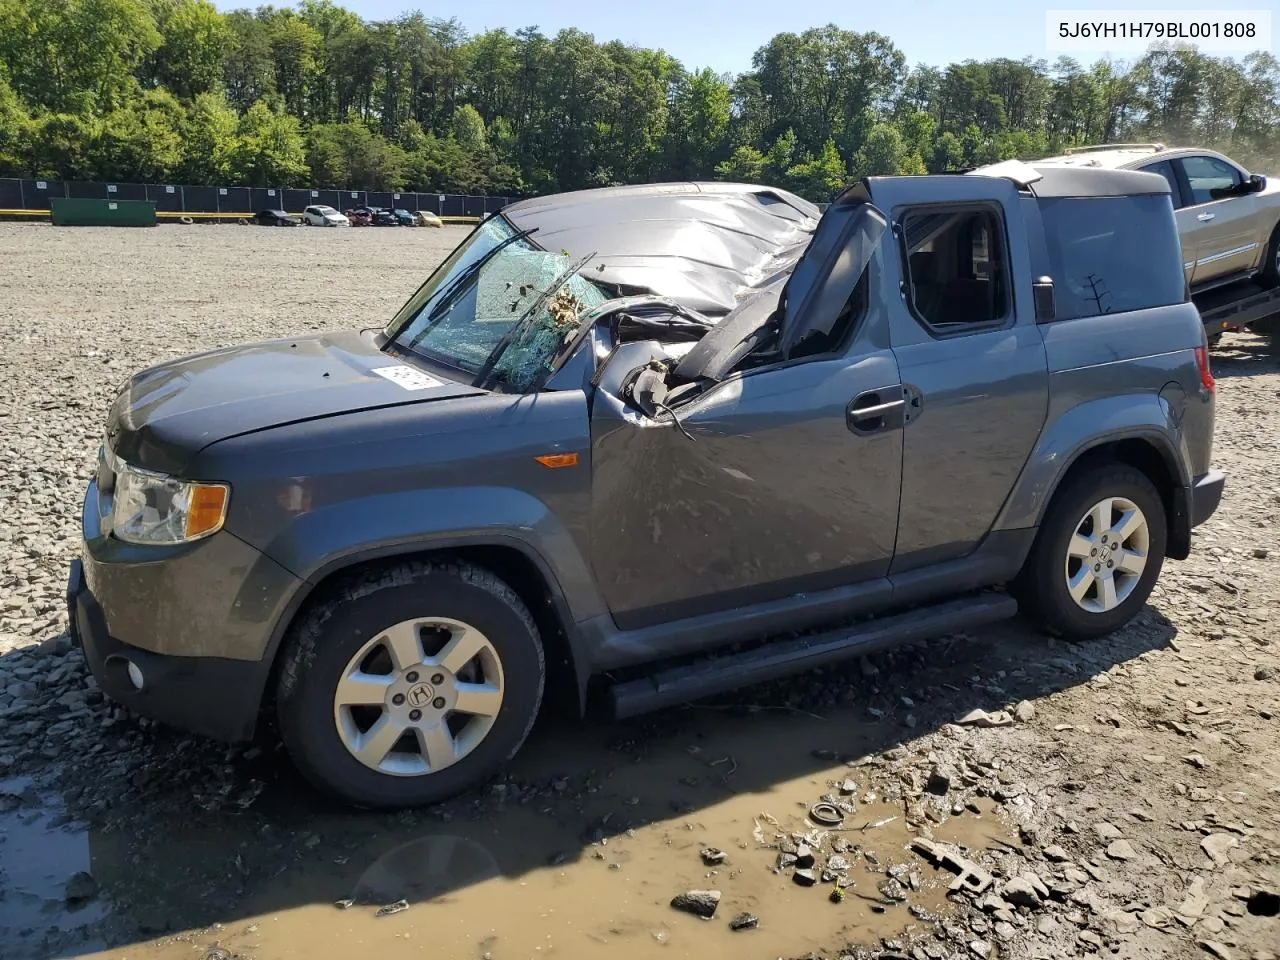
(324, 216)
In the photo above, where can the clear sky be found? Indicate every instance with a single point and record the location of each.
(723, 34)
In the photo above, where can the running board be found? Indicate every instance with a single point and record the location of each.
(712, 675)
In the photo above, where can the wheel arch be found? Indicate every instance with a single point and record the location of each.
(514, 562)
(1151, 455)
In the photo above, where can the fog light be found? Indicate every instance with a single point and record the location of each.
(135, 675)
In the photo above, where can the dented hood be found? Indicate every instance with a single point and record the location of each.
(168, 413)
(706, 245)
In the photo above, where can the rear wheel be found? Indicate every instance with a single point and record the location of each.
(1098, 553)
(414, 684)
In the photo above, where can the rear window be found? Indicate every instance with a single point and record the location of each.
(1112, 254)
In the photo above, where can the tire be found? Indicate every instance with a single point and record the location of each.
(1271, 267)
(1042, 586)
(323, 724)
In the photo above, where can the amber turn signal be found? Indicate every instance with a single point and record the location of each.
(557, 460)
(207, 509)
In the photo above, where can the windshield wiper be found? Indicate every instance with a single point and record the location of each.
(458, 284)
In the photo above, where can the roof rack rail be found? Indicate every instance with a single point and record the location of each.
(1153, 147)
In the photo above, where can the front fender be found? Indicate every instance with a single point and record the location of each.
(1148, 417)
(323, 540)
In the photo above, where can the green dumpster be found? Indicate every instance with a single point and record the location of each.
(74, 212)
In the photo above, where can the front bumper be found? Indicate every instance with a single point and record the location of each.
(199, 623)
(1206, 494)
(212, 696)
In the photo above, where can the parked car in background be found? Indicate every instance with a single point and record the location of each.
(360, 217)
(382, 217)
(573, 452)
(405, 218)
(321, 215)
(1228, 218)
(425, 218)
(274, 218)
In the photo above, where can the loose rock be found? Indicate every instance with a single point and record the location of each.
(700, 903)
(1021, 893)
(79, 888)
(1218, 845)
(1121, 850)
(980, 718)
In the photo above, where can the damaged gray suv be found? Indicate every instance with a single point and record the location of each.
(654, 443)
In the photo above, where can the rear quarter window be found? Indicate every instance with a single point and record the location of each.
(1112, 254)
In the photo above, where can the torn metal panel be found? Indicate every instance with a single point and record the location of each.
(704, 244)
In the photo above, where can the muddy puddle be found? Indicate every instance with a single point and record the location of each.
(597, 828)
(41, 848)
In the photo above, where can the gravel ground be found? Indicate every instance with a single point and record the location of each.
(1136, 779)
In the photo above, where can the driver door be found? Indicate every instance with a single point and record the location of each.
(780, 480)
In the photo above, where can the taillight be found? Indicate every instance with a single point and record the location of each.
(1206, 374)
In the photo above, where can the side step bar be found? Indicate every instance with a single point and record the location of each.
(714, 675)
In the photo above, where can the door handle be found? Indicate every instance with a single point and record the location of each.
(862, 414)
(870, 412)
(1205, 217)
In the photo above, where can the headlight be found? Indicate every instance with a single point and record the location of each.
(153, 508)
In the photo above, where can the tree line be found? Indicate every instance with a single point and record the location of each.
(175, 91)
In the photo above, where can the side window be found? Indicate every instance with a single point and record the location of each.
(1112, 254)
(1207, 174)
(1165, 169)
(957, 267)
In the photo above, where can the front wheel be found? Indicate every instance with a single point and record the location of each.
(412, 685)
(1271, 266)
(1097, 555)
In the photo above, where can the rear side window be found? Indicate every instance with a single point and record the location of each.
(1112, 254)
(1165, 169)
(956, 268)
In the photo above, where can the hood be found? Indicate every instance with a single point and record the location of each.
(168, 413)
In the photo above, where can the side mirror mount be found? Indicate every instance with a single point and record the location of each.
(1042, 295)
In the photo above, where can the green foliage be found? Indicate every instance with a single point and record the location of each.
(61, 147)
(15, 129)
(77, 56)
(268, 148)
(823, 176)
(209, 139)
(469, 130)
(351, 156)
(194, 46)
(175, 90)
(142, 139)
(886, 152)
(745, 165)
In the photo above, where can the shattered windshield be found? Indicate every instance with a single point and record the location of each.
(466, 315)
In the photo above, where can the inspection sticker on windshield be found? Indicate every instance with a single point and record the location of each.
(408, 377)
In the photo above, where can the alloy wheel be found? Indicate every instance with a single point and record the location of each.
(419, 696)
(1107, 554)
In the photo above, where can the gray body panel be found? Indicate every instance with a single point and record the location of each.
(417, 477)
(773, 496)
(980, 396)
